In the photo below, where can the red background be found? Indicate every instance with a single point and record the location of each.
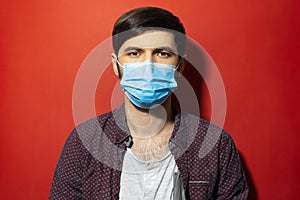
(255, 45)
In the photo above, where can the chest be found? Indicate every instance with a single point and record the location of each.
(103, 182)
(148, 179)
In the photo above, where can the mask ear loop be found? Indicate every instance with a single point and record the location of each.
(118, 67)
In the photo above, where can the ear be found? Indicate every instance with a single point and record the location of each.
(114, 64)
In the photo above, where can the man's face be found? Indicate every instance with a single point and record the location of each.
(158, 46)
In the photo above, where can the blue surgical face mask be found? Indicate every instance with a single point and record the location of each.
(147, 84)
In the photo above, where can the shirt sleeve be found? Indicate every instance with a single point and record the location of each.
(232, 182)
(67, 180)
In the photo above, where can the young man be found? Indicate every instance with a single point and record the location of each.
(148, 149)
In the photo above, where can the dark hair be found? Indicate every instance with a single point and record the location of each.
(140, 20)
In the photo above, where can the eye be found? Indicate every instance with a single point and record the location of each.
(164, 54)
(133, 53)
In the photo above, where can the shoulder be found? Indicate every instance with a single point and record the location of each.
(204, 135)
(92, 126)
(201, 127)
(86, 131)
(94, 122)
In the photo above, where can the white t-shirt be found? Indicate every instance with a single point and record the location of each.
(149, 180)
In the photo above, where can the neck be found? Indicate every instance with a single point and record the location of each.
(147, 123)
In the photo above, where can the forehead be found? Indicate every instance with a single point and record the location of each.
(150, 39)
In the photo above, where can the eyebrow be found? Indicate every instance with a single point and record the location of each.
(132, 48)
(166, 48)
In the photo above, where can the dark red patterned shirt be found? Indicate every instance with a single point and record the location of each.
(91, 160)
